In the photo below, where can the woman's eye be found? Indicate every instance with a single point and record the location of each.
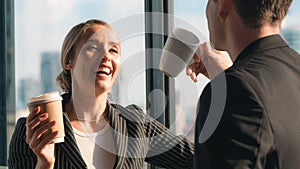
(93, 48)
(114, 50)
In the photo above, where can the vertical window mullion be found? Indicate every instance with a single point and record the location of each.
(160, 89)
(157, 26)
(7, 76)
(3, 130)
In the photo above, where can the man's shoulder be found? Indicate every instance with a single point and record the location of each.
(232, 84)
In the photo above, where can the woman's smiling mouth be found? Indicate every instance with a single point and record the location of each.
(103, 71)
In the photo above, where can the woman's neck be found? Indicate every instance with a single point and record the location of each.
(88, 104)
(87, 113)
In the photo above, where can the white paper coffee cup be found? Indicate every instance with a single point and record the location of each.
(178, 51)
(50, 103)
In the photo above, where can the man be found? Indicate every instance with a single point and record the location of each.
(257, 124)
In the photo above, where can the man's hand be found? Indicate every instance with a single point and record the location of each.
(209, 62)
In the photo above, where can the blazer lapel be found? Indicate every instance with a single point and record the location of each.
(120, 135)
(70, 147)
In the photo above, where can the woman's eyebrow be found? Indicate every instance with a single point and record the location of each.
(114, 43)
(92, 40)
(110, 43)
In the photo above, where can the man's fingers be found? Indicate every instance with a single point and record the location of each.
(194, 77)
(189, 70)
(198, 54)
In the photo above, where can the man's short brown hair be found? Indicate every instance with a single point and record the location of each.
(257, 12)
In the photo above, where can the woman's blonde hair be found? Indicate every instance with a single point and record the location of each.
(64, 79)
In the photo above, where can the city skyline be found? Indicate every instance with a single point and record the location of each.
(38, 31)
(58, 20)
(29, 87)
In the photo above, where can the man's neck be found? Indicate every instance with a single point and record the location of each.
(240, 36)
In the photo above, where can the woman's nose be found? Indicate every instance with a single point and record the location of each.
(107, 57)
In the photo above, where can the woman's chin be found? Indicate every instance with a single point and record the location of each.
(102, 88)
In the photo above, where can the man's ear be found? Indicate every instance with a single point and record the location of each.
(224, 8)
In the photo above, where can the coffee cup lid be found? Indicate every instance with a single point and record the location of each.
(44, 98)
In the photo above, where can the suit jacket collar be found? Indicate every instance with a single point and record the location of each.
(120, 136)
(70, 146)
(266, 43)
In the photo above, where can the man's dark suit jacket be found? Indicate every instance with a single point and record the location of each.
(259, 126)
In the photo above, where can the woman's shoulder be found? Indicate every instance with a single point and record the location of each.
(131, 107)
(130, 112)
(19, 134)
(20, 127)
(21, 123)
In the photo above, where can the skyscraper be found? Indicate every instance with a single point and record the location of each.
(50, 67)
(28, 87)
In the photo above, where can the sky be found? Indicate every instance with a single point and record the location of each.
(41, 26)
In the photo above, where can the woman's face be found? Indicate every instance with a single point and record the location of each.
(97, 60)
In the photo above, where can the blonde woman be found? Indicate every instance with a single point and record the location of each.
(99, 134)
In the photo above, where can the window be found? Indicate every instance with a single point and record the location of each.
(291, 27)
(40, 27)
(7, 71)
(39, 37)
(191, 16)
(34, 31)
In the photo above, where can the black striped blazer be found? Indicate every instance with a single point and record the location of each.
(137, 138)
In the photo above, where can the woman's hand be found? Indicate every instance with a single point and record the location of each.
(209, 62)
(39, 138)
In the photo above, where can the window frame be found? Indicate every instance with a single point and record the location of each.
(155, 79)
(7, 76)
